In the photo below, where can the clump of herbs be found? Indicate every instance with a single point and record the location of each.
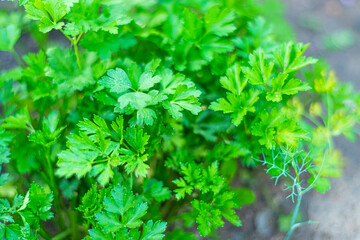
(135, 125)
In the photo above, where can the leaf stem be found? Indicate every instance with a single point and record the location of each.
(62, 235)
(54, 188)
(73, 223)
(75, 41)
(295, 226)
(77, 55)
(76, 49)
(295, 213)
(44, 234)
(17, 58)
(131, 180)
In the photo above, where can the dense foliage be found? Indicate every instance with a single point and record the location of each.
(133, 118)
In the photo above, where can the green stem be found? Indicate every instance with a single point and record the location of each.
(17, 58)
(73, 221)
(44, 234)
(54, 188)
(76, 49)
(295, 226)
(70, 39)
(62, 235)
(295, 214)
(131, 180)
(296, 210)
(50, 168)
(101, 161)
(75, 41)
(313, 119)
(296, 171)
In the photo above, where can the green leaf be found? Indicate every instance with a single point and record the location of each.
(9, 35)
(98, 235)
(153, 231)
(33, 208)
(233, 81)
(3, 177)
(130, 92)
(219, 22)
(265, 128)
(183, 98)
(276, 128)
(209, 218)
(40, 202)
(154, 189)
(94, 150)
(92, 203)
(117, 81)
(237, 105)
(136, 93)
(49, 133)
(244, 196)
(132, 218)
(282, 87)
(137, 139)
(134, 100)
(230, 215)
(105, 43)
(76, 162)
(169, 82)
(290, 133)
(104, 173)
(123, 211)
(147, 80)
(179, 234)
(5, 138)
(192, 25)
(122, 200)
(20, 120)
(321, 185)
(48, 12)
(183, 188)
(65, 72)
(109, 222)
(143, 116)
(134, 162)
(261, 68)
(289, 57)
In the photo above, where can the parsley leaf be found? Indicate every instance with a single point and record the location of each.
(33, 208)
(237, 103)
(9, 36)
(139, 92)
(94, 141)
(122, 217)
(282, 87)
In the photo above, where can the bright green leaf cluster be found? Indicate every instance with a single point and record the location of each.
(119, 215)
(136, 92)
(130, 113)
(33, 208)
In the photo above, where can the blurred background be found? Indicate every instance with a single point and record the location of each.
(333, 29)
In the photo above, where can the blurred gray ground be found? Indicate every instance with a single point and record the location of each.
(333, 29)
